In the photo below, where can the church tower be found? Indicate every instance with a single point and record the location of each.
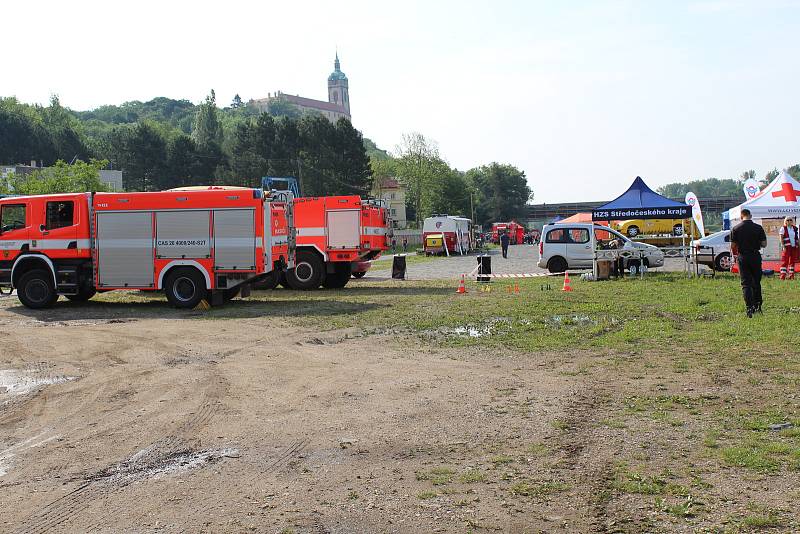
(338, 92)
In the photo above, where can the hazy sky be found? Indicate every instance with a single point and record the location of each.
(583, 96)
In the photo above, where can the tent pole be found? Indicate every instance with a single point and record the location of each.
(594, 253)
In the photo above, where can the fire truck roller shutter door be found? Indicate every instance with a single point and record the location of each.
(344, 228)
(234, 240)
(125, 249)
(183, 234)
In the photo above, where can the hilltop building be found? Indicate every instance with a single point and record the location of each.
(337, 106)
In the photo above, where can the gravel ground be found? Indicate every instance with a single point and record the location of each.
(521, 259)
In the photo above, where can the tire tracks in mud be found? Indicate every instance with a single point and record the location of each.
(593, 472)
(94, 487)
(66, 509)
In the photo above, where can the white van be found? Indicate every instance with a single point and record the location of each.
(569, 246)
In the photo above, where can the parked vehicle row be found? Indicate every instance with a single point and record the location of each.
(569, 246)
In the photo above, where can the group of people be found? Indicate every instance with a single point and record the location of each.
(747, 240)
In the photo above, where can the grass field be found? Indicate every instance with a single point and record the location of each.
(676, 392)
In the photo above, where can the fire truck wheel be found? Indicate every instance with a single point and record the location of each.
(83, 295)
(339, 278)
(308, 272)
(185, 288)
(36, 289)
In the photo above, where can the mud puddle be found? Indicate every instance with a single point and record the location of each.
(495, 326)
(14, 382)
(149, 463)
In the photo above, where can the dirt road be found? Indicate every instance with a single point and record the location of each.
(129, 416)
(176, 423)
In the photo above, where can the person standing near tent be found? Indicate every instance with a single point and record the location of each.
(504, 241)
(790, 241)
(747, 240)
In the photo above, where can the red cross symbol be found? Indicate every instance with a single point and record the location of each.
(788, 193)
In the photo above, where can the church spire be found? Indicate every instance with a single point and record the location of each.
(336, 65)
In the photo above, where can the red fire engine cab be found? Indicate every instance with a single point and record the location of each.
(193, 245)
(334, 234)
(515, 231)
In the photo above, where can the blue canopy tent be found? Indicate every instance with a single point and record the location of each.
(639, 202)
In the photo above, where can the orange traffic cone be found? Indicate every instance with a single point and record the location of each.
(566, 287)
(516, 287)
(461, 287)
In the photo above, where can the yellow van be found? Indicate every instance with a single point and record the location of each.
(637, 227)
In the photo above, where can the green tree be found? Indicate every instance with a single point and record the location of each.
(280, 107)
(351, 162)
(208, 136)
(207, 129)
(237, 101)
(142, 155)
(769, 176)
(794, 171)
(61, 126)
(182, 163)
(502, 192)
(78, 177)
(417, 165)
(23, 136)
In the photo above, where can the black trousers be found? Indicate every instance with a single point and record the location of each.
(750, 274)
(505, 250)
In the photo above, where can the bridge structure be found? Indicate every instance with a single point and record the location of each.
(548, 212)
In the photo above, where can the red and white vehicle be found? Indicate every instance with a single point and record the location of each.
(336, 237)
(515, 231)
(193, 245)
(456, 234)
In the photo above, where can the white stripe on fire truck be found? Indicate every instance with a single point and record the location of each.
(45, 244)
(235, 241)
(279, 240)
(316, 231)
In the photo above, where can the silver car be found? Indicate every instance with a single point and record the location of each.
(569, 246)
(715, 250)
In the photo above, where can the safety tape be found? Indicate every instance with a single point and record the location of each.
(519, 275)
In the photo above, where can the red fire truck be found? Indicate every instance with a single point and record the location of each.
(334, 234)
(515, 231)
(193, 245)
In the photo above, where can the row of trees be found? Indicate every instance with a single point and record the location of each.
(494, 192)
(727, 187)
(234, 145)
(167, 143)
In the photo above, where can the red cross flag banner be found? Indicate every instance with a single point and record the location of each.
(780, 198)
(697, 215)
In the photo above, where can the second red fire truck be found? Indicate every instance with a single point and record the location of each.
(192, 245)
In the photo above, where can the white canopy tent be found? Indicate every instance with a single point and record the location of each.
(779, 199)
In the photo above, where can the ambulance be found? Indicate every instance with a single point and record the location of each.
(192, 245)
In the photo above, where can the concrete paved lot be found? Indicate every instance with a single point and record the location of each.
(521, 259)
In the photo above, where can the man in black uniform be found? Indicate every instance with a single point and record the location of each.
(504, 241)
(747, 240)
